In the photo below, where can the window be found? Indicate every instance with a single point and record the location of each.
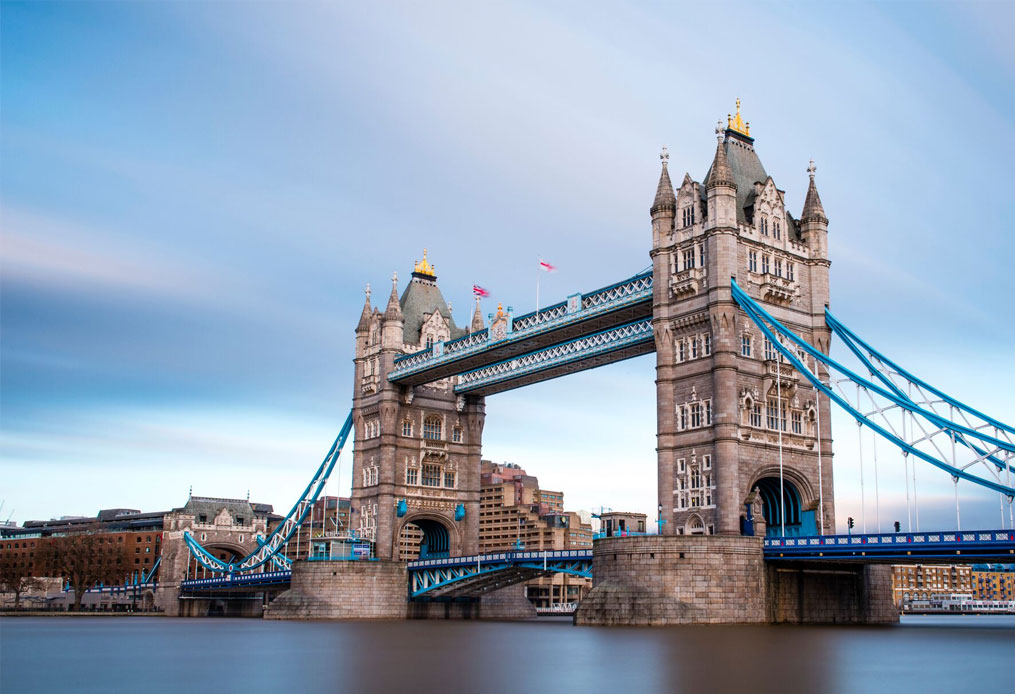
(706, 463)
(756, 414)
(431, 475)
(200, 519)
(708, 412)
(683, 417)
(695, 478)
(681, 465)
(706, 342)
(772, 415)
(778, 267)
(765, 261)
(682, 351)
(797, 421)
(456, 434)
(745, 345)
(412, 476)
(694, 348)
(702, 255)
(789, 271)
(449, 480)
(688, 215)
(432, 428)
(776, 229)
(764, 225)
(407, 428)
(752, 261)
(770, 352)
(429, 341)
(695, 415)
(689, 258)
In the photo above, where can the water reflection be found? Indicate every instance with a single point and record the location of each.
(103, 654)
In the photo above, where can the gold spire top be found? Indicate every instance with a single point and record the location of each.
(736, 123)
(423, 267)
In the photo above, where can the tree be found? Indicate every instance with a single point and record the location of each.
(85, 559)
(16, 577)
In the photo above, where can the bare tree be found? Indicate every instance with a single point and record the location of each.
(85, 559)
(16, 577)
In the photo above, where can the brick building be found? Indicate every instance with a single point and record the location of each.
(993, 581)
(515, 513)
(921, 581)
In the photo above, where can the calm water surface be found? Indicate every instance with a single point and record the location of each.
(153, 655)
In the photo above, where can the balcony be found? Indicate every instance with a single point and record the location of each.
(688, 282)
(778, 290)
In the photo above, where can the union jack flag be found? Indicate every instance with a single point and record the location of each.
(546, 266)
(479, 291)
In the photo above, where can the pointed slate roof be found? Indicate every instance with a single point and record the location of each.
(477, 319)
(394, 309)
(423, 297)
(665, 197)
(364, 317)
(813, 209)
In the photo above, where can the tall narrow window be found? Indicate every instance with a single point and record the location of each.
(752, 261)
(702, 255)
(797, 421)
(708, 412)
(429, 341)
(695, 415)
(694, 347)
(689, 258)
(432, 428)
(789, 271)
(772, 415)
(456, 434)
(431, 475)
(756, 414)
(776, 229)
(745, 345)
(764, 225)
(412, 476)
(764, 264)
(778, 267)
(449, 480)
(407, 428)
(683, 417)
(769, 350)
(706, 341)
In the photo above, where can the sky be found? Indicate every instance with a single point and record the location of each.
(194, 195)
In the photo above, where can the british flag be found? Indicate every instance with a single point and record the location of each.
(547, 266)
(479, 291)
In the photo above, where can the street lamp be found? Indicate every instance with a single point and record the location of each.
(659, 519)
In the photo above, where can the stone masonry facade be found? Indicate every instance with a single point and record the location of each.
(722, 395)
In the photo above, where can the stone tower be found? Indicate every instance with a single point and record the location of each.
(417, 454)
(727, 410)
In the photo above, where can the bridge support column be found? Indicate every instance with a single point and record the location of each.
(830, 594)
(675, 579)
(343, 590)
(505, 604)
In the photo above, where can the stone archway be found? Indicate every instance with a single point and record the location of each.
(782, 507)
(427, 536)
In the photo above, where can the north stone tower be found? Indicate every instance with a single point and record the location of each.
(728, 410)
(415, 486)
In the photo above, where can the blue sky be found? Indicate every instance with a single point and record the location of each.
(194, 195)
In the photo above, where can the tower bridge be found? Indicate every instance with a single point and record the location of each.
(736, 310)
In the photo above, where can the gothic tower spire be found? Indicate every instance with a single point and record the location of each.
(813, 211)
(477, 319)
(665, 199)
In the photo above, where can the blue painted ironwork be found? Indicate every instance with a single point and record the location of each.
(604, 342)
(235, 581)
(770, 327)
(951, 546)
(272, 547)
(635, 290)
(433, 577)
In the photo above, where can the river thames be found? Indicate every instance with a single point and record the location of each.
(142, 654)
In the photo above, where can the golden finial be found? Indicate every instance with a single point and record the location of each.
(423, 267)
(500, 310)
(736, 123)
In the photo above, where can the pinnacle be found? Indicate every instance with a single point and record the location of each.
(364, 318)
(721, 173)
(813, 210)
(477, 319)
(665, 198)
(394, 309)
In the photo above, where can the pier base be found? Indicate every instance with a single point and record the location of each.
(716, 579)
(342, 590)
(505, 604)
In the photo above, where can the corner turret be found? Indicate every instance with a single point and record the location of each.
(664, 207)
(720, 186)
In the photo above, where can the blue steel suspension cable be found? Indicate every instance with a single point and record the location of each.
(755, 313)
(848, 337)
(280, 536)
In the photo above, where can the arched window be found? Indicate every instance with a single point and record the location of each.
(432, 428)
(695, 526)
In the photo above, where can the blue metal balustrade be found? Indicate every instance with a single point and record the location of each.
(477, 574)
(897, 548)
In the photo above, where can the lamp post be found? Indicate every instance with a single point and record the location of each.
(660, 521)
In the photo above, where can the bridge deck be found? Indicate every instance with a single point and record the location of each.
(580, 316)
(953, 547)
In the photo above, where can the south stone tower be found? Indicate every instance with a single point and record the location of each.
(727, 410)
(415, 486)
